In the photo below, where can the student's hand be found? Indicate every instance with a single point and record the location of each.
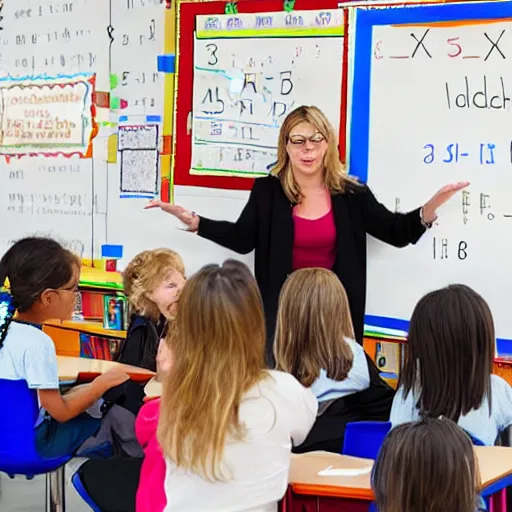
(111, 378)
(190, 219)
(163, 357)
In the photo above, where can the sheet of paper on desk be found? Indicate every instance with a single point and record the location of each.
(330, 471)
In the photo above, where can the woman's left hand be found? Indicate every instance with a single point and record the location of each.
(443, 195)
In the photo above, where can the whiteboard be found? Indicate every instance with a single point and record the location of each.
(423, 115)
(48, 43)
(245, 85)
(135, 175)
(45, 186)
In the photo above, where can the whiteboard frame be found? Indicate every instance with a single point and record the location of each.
(360, 95)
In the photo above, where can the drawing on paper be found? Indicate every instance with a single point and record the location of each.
(47, 116)
(139, 167)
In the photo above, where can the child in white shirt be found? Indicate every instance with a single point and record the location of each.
(448, 369)
(40, 282)
(227, 424)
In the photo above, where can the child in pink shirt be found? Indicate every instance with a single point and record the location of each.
(133, 485)
(150, 493)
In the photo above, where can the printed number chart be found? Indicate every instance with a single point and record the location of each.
(247, 72)
(430, 105)
(241, 97)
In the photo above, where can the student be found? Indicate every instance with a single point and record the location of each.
(315, 343)
(133, 485)
(449, 363)
(226, 424)
(40, 283)
(428, 466)
(152, 281)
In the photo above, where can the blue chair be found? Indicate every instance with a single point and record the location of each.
(364, 438)
(18, 455)
(82, 492)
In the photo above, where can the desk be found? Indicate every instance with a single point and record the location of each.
(495, 464)
(74, 369)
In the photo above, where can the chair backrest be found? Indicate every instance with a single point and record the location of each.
(364, 438)
(20, 409)
(475, 440)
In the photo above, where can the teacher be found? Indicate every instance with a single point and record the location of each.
(310, 213)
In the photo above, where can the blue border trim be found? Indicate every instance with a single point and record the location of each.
(504, 345)
(138, 196)
(365, 21)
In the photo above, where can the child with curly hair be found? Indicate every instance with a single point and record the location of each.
(153, 281)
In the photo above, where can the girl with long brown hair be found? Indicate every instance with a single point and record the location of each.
(449, 364)
(227, 424)
(428, 466)
(315, 343)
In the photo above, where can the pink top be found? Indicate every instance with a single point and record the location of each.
(314, 242)
(151, 492)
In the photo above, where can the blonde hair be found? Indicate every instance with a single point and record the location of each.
(218, 344)
(313, 320)
(145, 273)
(335, 176)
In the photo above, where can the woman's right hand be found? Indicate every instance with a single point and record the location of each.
(190, 219)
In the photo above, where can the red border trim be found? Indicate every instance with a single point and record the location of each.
(183, 140)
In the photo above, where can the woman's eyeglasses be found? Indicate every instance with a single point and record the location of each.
(299, 140)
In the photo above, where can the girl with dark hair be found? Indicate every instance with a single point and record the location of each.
(40, 281)
(428, 466)
(448, 367)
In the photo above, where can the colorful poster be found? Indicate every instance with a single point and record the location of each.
(49, 116)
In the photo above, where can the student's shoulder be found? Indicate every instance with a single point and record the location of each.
(499, 386)
(284, 383)
(354, 346)
(138, 321)
(27, 335)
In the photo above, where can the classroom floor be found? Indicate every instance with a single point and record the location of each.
(20, 495)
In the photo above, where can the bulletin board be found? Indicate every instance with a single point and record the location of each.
(183, 138)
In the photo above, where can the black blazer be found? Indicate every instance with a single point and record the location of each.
(266, 226)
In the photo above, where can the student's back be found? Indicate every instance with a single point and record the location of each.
(29, 354)
(273, 411)
(448, 370)
(227, 424)
(315, 343)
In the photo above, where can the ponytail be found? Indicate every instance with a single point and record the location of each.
(7, 310)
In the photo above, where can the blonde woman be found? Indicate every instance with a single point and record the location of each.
(310, 213)
(153, 281)
(226, 424)
(315, 343)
